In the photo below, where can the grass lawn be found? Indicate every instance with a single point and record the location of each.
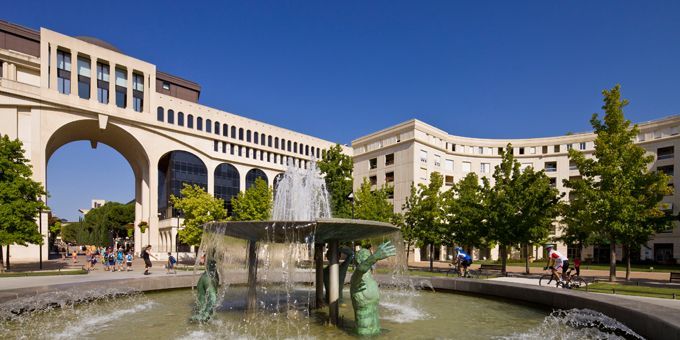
(617, 288)
(46, 273)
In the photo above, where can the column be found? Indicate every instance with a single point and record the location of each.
(147, 95)
(318, 267)
(74, 72)
(252, 277)
(53, 67)
(93, 79)
(333, 283)
(128, 103)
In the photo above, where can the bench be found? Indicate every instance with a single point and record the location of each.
(675, 276)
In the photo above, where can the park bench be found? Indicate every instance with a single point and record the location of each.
(675, 277)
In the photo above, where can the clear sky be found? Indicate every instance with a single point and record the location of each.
(340, 70)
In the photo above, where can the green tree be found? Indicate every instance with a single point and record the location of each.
(108, 221)
(336, 167)
(408, 219)
(427, 214)
(466, 212)
(19, 194)
(625, 194)
(373, 205)
(255, 204)
(578, 216)
(198, 207)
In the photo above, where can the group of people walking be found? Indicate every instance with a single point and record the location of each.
(113, 260)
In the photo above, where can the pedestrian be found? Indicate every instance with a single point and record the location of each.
(128, 260)
(74, 255)
(119, 259)
(105, 260)
(577, 266)
(147, 261)
(112, 260)
(170, 266)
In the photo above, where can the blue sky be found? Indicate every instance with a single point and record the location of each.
(344, 69)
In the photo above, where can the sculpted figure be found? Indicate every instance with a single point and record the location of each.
(207, 293)
(349, 257)
(364, 289)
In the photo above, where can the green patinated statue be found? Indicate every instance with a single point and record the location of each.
(207, 293)
(349, 257)
(364, 289)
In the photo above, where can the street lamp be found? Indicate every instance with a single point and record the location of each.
(40, 211)
(350, 197)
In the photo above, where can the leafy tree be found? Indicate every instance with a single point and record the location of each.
(336, 168)
(427, 214)
(408, 219)
(108, 221)
(255, 204)
(198, 208)
(373, 205)
(578, 216)
(624, 194)
(19, 194)
(466, 212)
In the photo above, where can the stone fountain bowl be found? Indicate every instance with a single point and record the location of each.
(318, 231)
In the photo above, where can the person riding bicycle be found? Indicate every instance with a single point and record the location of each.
(463, 260)
(557, 261)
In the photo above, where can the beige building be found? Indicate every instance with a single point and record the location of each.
(408, 152)
(56, 89)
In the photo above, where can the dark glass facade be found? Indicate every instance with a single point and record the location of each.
(254, 174)
(175, 169)
(227, 184)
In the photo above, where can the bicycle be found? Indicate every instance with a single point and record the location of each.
(455, 271)
(570, 281)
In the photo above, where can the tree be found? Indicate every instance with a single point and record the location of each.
(408, 219)
(336, 168)
(466, 212)
(19, 194)
(108, 221)
(624, 194)
(198, 207)
(373, 205)
(426, 214)
(255, 204)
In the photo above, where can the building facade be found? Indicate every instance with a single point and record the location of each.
(408, 152)
(56, 89)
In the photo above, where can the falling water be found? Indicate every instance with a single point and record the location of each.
(301, 195)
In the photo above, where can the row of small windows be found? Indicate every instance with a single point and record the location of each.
(236, 133)
(84, 69)
(264, 156)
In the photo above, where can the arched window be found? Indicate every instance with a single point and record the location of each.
(276, 143)
(225, 130)
(217, 128)
(269, 141)
(318, 153)
(233, 132)
(289, 146)
(180, 118)
(160, 114)
(240, 134)
(171, 117)
(248, 136)
(263, 139)
(199, 123)
(306, 150)
(190, 121)
(269, 157)
(208, 125)
(254, 174)
(295, 147)
(176, 168)
(256, 138)
(283, 144)
(227, 184)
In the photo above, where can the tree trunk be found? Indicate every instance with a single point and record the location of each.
(504, 257)
(408, 250)
(7, 258)
(2, 261)
(431, 257)
(526, 259)
(612, 260)
(627, 252)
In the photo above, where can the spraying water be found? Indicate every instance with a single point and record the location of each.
(301, 195)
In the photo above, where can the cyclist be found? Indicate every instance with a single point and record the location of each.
(557, 261)
(463, 260)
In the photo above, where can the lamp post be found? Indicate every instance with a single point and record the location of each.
(179, 214)
(350, 197)
(40, 228)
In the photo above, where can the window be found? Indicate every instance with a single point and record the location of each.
(657, 134)
(103, 83)
(64, 72)
(556, 148)
(500, 151)
(180, 118)
(467, 166)
(225, 130)
(666, 169)
(373, 180)
(448, 180)
(289, 146)
(240, 134)
(121, 88)
(248, 134)
(159, 114)
(208, 125)
(276, 143)
(389, 177)
(572, 165)
(372, 163)
(306, 150)
(437, 160)
(550, 166)
(532, 150)
(190, 121)
(256, 138)
(582, 146)
(545, 149)
(216, 145)
(199, 123)
(269, 141)
(665, 152)
(448, 165)
(453, 147)
(263, 139)
(521, 151)
(480, 150)
(217, 128)
(485, 168)
(240, 150)
(423, 156)
(137, 92)
(569, 146)
(84, 74)
(233, 132)
(389, 159)
(295, 147)
(166, 86)
(171, 116)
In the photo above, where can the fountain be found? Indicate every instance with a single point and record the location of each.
(301, 214)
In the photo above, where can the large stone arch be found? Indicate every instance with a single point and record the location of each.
(176, 168)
